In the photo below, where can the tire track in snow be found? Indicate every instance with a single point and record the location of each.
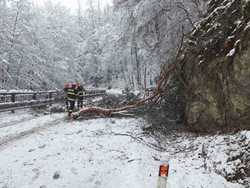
(17, 136)
(7, 124)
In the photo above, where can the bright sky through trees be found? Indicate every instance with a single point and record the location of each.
(72, 4)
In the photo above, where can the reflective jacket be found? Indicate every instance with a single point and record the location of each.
(80, 91)
(66, 91)
(72, 93)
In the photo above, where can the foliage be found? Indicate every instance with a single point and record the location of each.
(43, 47)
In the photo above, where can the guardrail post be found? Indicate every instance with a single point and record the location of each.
(50, 97)
(34, 96)
(13, 99)
(163, 172)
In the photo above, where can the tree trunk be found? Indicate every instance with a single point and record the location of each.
(137, 62)
(4, 3)
(145, 78)
(138, 66)
(15, 27)
(99, 12)
(12, 44)
(157, 91)
(92, 13)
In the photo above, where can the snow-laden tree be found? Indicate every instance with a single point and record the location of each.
(14, 44)
(43, 47)
(153, 30)
(37, 45)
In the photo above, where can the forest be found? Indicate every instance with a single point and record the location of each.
(122, 46)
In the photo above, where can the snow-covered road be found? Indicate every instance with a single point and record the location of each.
(14, 129)
(95, 153)
(86, 153)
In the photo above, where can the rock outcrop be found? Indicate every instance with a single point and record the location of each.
(216, 68)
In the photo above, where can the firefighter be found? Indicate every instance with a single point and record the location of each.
(80, 93)
(72, 94)
(66, 96)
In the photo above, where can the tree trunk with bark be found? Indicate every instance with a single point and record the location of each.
(125, 109)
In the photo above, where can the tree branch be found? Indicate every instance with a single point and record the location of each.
(157, 91)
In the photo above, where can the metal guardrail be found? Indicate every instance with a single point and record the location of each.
(10, 101)
(95, 91)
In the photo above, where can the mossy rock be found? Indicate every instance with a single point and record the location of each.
(194, 111)
(246, 9)
(215, 113)
(239, 103)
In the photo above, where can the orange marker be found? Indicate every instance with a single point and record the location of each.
(163, 170)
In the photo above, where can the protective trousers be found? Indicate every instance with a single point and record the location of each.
(80, 102)
(66, 102)
(71, 107)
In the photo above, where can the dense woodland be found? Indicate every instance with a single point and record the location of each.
(124, 45)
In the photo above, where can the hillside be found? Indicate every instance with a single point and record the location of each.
(215, 67)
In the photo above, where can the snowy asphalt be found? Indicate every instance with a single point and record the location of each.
(95, 153)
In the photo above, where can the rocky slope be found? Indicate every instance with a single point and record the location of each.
(215, 68)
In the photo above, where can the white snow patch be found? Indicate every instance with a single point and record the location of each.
(114, 91)
(85, 153)
(247, 27)
(26, 125)
(230, 38)
(238, 23)
(109, 153)
(18, 115)
(231, 53)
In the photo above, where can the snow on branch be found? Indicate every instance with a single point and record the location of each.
(125, 109)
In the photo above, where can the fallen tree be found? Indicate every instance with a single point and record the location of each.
(125, 109)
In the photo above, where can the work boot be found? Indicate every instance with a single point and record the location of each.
(70, 112)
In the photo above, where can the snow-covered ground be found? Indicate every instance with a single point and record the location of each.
(114, 91)
(103, 153)
(14, 128)
(18, 115)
